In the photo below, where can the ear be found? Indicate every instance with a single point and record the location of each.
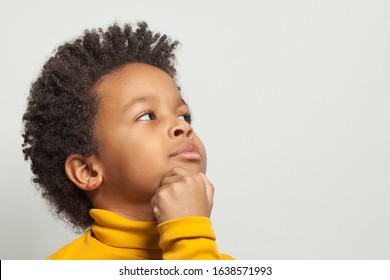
(85, 172)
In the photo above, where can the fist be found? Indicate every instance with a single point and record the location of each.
(182, 194)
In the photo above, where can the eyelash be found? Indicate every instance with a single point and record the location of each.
(152, 116)
(150, 113)
(187, 117)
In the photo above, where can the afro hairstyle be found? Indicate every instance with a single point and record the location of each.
(63, 104)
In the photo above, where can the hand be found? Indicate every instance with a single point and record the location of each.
(182, 194)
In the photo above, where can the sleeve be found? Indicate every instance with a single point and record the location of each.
(189, 238)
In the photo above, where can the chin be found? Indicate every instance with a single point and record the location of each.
(196, 168)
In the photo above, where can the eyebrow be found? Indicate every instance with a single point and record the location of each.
(148, 99)
(137, 100)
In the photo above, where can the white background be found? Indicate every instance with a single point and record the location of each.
(291, 98)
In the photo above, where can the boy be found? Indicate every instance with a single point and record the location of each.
(112, 148)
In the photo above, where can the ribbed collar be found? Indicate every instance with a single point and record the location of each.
(115, 231)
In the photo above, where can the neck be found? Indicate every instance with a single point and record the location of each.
(136, 213)
(129, 209)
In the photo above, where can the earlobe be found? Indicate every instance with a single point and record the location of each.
(83, 171)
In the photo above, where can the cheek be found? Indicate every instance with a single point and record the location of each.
(146, 158)
(138, 170)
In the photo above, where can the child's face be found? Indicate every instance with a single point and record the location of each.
(142, 132)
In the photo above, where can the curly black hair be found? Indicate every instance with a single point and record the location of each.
(63, 104)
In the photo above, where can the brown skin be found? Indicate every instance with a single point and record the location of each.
(141, 125)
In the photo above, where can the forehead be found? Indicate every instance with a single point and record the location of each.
(137, 82)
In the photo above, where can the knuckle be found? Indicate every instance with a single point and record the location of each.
(159, 197)
(187, 179)
(176, 170)
(199, 179)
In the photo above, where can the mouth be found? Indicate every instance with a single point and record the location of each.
(188, 152)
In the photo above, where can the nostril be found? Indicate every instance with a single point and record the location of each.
(178, 132)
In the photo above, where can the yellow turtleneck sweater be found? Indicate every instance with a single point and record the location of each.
(114, 237)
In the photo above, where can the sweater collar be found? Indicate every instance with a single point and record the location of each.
(116, 231)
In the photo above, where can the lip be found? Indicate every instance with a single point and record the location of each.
(187, 151)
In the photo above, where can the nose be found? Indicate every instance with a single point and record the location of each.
(181, 129)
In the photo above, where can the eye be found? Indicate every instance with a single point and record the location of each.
(146, 116)
(186, 118)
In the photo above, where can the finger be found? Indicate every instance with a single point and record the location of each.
(209, 189)
(157, 213)
(174, 175)
(178, 171)
(170, 180)
(153, 202)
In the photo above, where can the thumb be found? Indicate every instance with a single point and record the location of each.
(209, 190)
